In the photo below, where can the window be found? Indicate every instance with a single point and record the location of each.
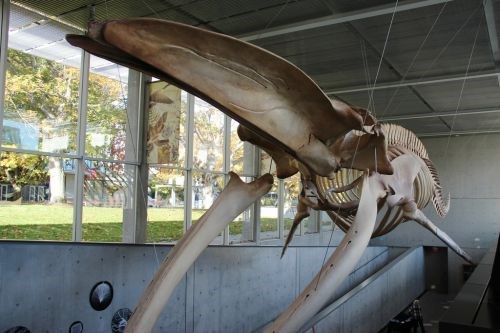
(40, 114)
(36, 197)
(87, 165)
(166, 201)
(105, 195)
(41, 90)
(269, 223)
(106, 110)
(208, 137)
(166, 156)
(242, 229)
(292, 190)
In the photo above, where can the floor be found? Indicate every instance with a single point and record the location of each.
(433, 305)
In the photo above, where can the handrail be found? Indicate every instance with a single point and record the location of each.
(338, 302)
(473, 308)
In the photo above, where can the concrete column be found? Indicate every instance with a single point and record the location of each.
(80, 162)
(248, 169)
(255, 209)
(135, 210)
(188, 180)
(227, 166)
(281, 209)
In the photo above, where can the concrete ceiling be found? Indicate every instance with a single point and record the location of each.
(438, 74)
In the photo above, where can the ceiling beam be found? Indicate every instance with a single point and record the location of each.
(417, 82)
(439, 114)
(457, 133)
(51, 17)
(340, 18)
(489, 14)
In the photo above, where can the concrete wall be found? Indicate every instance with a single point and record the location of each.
(45, 286)
(469, 168)
(474, 309)
(369, 306)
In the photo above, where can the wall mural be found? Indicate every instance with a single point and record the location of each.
(164, 113)
(369, 177)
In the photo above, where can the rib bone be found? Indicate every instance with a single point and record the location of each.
(340, 264)
(233, 200)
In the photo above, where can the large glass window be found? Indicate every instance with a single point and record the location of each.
(241, 230)
(292, 190)
(39, 133)
(166, 153)
(242, 154)
(104, 196)
(166, 199)
(269, 223)
(106, 110)
(326, 222)
(208, 137)
(36, 197)
(206, 188)
(41, 90)
(242, 161)
(40, 153)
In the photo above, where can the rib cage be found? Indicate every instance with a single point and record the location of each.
(441, 205)
(399, 137)
(426, 185)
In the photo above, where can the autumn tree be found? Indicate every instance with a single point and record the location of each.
(21, 169)
(43, 94)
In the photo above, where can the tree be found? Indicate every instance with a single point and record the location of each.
(208, 136)
(106, 115)
(44, 94)
(21, 169)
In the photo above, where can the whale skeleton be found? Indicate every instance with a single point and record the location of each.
(368, 177)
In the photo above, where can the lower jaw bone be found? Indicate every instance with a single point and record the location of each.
(232, 201)
(316, 295)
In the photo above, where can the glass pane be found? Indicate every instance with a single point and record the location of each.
(326, 222)
(206, 188)
(242, 153)
(292, 190)
(241, 230)
(105, 193)
(107, 110)
(310, 224)
(166, 205)
(36, 197)
(41, 93)
(269, 213)
(167, 118)
(208, 140)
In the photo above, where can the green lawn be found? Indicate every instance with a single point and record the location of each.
(54, 222)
